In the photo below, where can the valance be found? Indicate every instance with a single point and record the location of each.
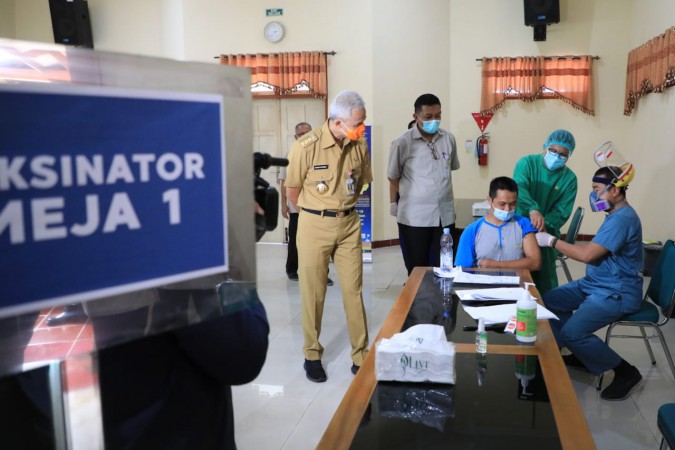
(285, 72)
(651, 68)
(568, 78)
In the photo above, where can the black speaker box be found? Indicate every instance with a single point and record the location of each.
(70, 22)
(541, 12)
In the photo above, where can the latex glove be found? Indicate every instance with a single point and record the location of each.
(544, 239)
(393, 209)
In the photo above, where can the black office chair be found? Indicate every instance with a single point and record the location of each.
(571, 238)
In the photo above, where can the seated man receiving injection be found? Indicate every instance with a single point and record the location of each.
(500, 239)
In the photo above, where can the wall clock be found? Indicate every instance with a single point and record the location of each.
(274, 31)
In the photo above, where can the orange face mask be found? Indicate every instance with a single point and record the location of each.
(354, 134)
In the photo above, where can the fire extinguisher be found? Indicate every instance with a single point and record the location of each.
(482, 149)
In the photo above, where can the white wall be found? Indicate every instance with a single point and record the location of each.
(7, 18)
(391, 51)
(411, 56)
(651, 139)
(519, 128)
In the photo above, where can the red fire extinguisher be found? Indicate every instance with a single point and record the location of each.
(482, 149)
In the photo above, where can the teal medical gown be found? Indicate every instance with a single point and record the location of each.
(552, 193)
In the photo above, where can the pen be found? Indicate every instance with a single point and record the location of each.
(492, 327)
(479, 303)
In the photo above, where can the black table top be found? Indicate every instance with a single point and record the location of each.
(498, 400)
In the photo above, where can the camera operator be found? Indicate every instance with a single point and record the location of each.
(266, 197)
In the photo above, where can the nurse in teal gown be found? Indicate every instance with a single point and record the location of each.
(547, 189)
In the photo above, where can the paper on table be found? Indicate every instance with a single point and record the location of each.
(491, 294)
(502, 313)
(474, 278)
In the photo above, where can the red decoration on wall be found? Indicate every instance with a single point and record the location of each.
(482, 120)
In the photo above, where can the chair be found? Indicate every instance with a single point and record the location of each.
(666, 422)
(661, 291)
(571, 238)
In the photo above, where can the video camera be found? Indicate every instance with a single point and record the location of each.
(266, 196)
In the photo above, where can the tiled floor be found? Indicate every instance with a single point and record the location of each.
(61, 342)
(281, 409)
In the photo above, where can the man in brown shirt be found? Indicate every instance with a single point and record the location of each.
(327, 169)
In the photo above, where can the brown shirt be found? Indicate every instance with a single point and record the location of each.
(321, 169)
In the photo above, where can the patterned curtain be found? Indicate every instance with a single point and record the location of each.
(568, 78)
(651, 68)
(285, 71)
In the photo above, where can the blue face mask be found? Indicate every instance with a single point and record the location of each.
(504, 216)
(598, 205)
(553, 161)
(431, 126)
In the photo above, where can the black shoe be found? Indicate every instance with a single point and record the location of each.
(292, 276)
(355, 368)
(70, 314)
(573, 362)
(329, 282)
(622, 385)
(315, 371)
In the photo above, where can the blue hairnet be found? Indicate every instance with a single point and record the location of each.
(562, 138)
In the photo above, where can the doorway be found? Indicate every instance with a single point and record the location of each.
(274, 123)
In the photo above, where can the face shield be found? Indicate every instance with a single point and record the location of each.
(607, 156)
(622, 174)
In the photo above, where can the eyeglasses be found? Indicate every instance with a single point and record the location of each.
(555, 151)
(432, 147)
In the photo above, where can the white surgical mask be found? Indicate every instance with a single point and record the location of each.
(504, 216)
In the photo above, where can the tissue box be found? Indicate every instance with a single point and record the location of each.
(420, 354)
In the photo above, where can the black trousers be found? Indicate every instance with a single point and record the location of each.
(421, 246)
(292, 258)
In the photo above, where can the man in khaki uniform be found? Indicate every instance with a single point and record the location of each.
(327, 169)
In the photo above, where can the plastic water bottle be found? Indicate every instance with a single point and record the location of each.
(446, 250)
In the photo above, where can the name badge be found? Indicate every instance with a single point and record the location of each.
(351, 188)
(321, 167)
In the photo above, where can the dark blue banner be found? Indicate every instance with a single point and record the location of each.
(105, 191)
(364, 209)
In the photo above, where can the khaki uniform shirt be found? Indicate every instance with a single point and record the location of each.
(425, 183)
(322, 170)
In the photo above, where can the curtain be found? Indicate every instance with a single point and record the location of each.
(568, 78)
(285, 71)
(651, 68)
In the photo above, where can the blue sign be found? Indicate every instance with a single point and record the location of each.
(108, 191)
(364, 209)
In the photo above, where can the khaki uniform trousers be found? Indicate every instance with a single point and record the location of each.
(318, 239)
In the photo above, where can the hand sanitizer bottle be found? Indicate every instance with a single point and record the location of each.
(481, 337)
(526, 315)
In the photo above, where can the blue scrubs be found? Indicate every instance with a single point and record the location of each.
(611, 288)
